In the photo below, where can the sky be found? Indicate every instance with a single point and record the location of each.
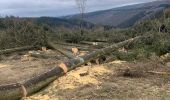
(55, 8)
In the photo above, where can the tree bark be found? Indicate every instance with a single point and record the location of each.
(42, 55)
(16, 49)
(58, 48)
(73, 63)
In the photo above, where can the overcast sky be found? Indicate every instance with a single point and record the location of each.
(35, 8)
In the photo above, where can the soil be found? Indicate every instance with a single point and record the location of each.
(19, 67)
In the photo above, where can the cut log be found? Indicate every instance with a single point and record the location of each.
(62, 51)
(73, 63)
(42, 55)
(7, 51)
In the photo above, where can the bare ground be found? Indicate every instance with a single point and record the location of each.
(19, 67)
(111, 81)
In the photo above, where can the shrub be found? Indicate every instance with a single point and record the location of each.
(21, 32)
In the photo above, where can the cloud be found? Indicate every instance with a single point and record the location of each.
(36, 8)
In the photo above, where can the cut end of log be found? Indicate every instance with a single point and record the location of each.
(44, 49)
(23, 91)
(75, 51)
(64, 67)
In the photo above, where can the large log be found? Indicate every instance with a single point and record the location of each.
(59, 49)
(16, 49)
(18, 90)
(73, 63)
(42, 55)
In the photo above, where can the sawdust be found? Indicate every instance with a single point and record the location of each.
(103, 83)
(3, 65)
(73, 80)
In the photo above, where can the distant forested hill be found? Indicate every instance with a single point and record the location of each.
(57, 22)
(125, 16)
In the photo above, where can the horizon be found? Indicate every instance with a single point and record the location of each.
(39, 9)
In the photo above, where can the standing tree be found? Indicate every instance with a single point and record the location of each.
(82, 7)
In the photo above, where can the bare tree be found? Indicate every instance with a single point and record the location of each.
(82, 7)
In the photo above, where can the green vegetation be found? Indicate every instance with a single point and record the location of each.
(16, 32)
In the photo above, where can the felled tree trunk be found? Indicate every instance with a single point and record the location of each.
(42, 55)
(73, 63)
(59, 49)
(16, 49)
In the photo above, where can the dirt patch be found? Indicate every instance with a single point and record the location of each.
(16, 67)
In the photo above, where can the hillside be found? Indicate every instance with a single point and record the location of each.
(125, 16)
(57, 22)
